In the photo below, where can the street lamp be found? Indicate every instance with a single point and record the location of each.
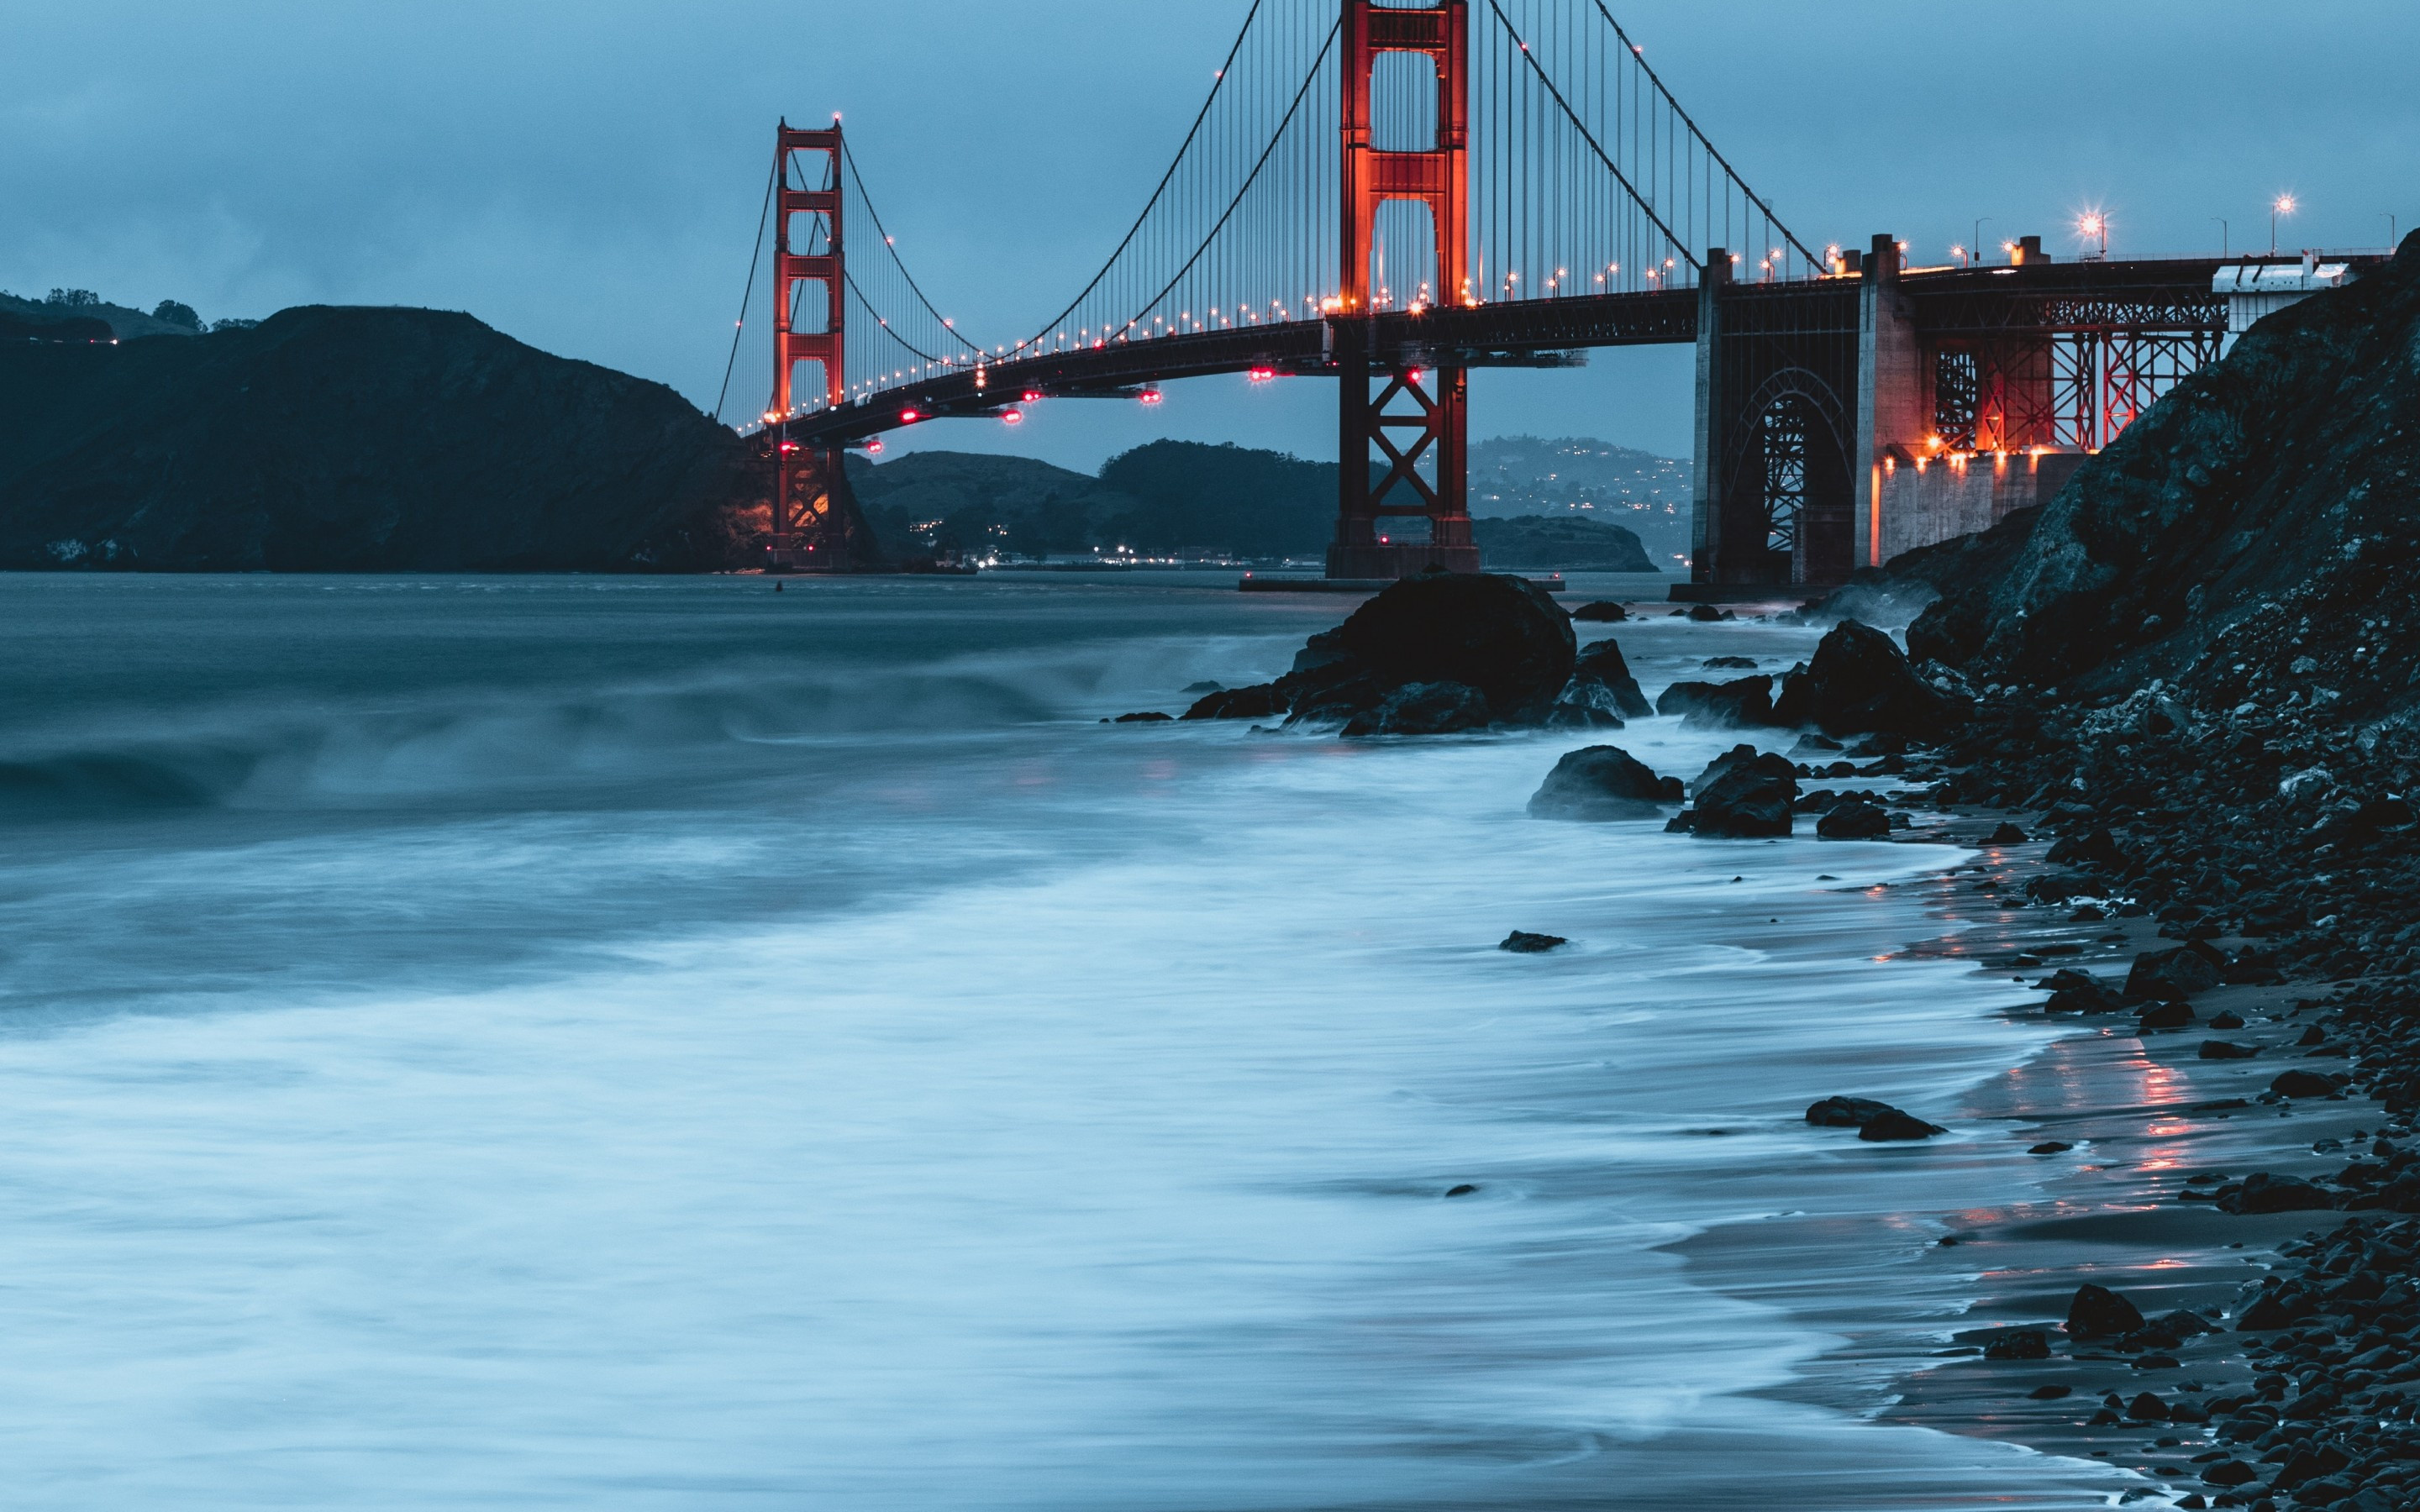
(2095, 225)
(2221, 236)
(2282, 205)
(1980, 222)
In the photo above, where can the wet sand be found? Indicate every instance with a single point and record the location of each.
(2143, 1115)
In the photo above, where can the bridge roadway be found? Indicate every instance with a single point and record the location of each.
(2163, 294)
(1821, 403)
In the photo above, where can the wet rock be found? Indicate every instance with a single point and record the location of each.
(2166, 1016)
(2050, 1147)
(1744, 664)
(2148, 1407)
(2095, 852)
(2300, 1082)
(2051, 1393)
(1891, 1124)
(1262, 702)
(1749, 798)
(1584, 706)
(1859, 681)
(1601, 667)
(1743, 704)
(1461, 1189)
(1601, 783)
(1601, 612)
(1424, 709)
(1503, 636)
(1708, 614)
(2227, 1019)
(2007, 834)
(2096, 1312)
(1854, 820)
(1521, 942)
(1145, 716)
(2230, 1473)
(2228, 1049)
(2019, 1344)
(1846, 1112)
(2171, 975)
(2265, 1192)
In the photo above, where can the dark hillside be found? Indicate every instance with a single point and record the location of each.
(336, 439)
(2287, 470)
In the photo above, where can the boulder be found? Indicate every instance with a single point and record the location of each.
(1521, 942)
(1424, 709)
(1893, 1124)
(2171, 975)
(1584, 706)
(2300, 1082)
(1854, 820)
(1708, 614)
(1846, 1112)
(2017, 1343)
(2174, 1016)
(2007, 834)
(1262, 702)
(1599, 782)
(2096, 1312)
(1601, 611)
(2228, 1050)
(1502, 635)
(2094, 852)
(1745, 702)
(1144, 716)
(2265, 1192)
(1601, 665)
(1871, 1120)
(1748, 798)
(1859, 681)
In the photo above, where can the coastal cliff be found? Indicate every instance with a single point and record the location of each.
(334, 439)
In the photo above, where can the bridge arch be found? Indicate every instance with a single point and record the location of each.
(1788, 494)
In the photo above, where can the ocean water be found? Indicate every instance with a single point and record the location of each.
(654, 1044)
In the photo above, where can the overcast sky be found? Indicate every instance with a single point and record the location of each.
(587, 176)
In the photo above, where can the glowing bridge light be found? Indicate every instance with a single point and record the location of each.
(874, 447)
(1150, 395)
(909, 415)
(1012, 417)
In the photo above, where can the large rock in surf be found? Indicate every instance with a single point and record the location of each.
(1744, 702)
(1424, 709)
(1854, 819)
(1503, 636)
(1260, 701)
(1873, 1121)
(1601, 665)
(1598, 782)
(1859, 682)
(1750, 798)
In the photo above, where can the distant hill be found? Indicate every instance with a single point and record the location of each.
(1162, 499)
(1596, 480)
(83, 305)
(343, 439)
(1570, 543)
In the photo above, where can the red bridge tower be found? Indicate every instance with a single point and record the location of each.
(814, 521)
(1426, 408)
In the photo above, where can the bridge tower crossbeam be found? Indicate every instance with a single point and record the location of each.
(1418, 415)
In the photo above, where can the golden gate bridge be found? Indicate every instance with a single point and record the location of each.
(1391, 194)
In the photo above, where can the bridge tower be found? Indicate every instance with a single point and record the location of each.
(1418, 413)
(815, 520)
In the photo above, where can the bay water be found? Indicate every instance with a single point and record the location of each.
(655, 1043)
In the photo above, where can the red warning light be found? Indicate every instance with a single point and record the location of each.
(1151, 396)
(909, 416)
(1012, 417)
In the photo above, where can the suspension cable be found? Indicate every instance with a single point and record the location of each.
(1225, 69)
(747, 289)
(1639, 56)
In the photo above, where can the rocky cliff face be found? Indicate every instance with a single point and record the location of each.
(2285, 472)
(341, 439)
